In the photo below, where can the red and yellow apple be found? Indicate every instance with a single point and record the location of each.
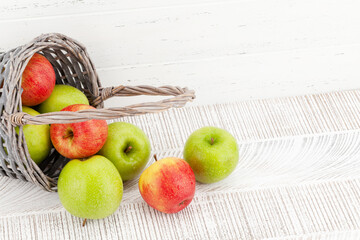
(79, 140)
(38, 80)
(168, 185)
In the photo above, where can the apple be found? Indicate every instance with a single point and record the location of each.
(79, 140)
(37, 138)
(90, 188)
(61, 97)
(212, 153)
(168, 185)
(128, 148)
(38, 80)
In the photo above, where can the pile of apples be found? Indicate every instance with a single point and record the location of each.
(90, 186)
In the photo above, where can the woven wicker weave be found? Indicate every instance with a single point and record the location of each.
(73, 67)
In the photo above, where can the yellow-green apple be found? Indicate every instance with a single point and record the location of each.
(212, 153)
(38, 80)
(168, 185)
(37, 138)
(61, 97)
(90, 187)
(79, 140)
(128, 148)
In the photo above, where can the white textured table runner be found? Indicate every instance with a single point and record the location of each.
(298, 178)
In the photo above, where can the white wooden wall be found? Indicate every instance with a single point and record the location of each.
(226, 50)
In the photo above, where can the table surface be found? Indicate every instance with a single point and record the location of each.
(277, 74)
(298, 176)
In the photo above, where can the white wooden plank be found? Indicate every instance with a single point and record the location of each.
(314, 211)
(202, 31)
(22, 9)
(226, 51)
(246, 76)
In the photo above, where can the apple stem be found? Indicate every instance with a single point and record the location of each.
(128, 149)
(212, 141)
(84, 222)
(69, 134)
(155, 157)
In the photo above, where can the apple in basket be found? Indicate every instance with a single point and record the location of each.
(168, 185)
(128, 148)
(90, 187)
(61, 97)
(79, 140)
(38, 81)
(212, 153)
(37, 138)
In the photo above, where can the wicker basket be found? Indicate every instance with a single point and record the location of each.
(73, 67)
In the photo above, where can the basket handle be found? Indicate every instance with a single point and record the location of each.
(180, 97)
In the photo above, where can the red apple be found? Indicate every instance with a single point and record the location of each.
(168, 185)
(38, 81)
(79, 140)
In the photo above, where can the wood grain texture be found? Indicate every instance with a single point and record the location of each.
(241, 49)
(298, 175)
(314, 211)
(21, 9)
(247, 76)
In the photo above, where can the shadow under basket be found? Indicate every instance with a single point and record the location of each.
(72, 66)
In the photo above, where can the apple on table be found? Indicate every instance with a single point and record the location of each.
(79, 140)
(168, 185)
(90, 188)
(212, 153)
(128, 148)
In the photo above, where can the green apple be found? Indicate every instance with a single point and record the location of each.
(61, 97)
(37, 138)
(128, 148)
(212, 153)
(90, 188)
